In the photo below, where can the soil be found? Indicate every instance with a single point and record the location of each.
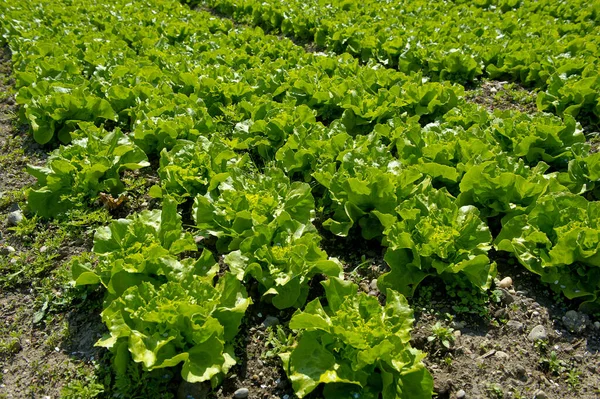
(500, 95)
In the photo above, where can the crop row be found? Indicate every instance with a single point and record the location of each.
(259, 138)
(552, 45)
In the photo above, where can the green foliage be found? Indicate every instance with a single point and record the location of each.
(251, 204)
(356, 347)
(189, 168)
(161, 310)
(441, 334)
(562, 60)
(433, 235)
(76, 174)
(558, 239)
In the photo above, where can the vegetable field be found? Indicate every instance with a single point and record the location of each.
(327, 196)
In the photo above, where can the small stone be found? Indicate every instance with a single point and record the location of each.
(373, 285)
(500, 313)
(7, 250)
(459, 325)
(597, 325)
(521, 372)
(255, 377)
(43, 249)
(505, 282)
(515, 325)
(364, 286)
(506, 298)
(537, 333)
(241, 393)
(373, 293)
(270, 321)
(574, 321)
(539, 394)
(535, 313)
(14, 218)
(501, 355)
(457, 333)
(461, 394)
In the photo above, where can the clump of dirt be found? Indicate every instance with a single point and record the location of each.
(498, 356)
(38, 359)
(498, 95)
(259, 369)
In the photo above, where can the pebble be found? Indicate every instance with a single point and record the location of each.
(14, 218)
(597, 325)
(241, 393)
(539, 394)
(461, 394)
(501, 355)
(270, 321)
(537, 333)
(457, 333)
(373, 285)
(506, 299)
(515, 325)
(574, 321)
(43, 249)
(505, 282)
(364, 286)
(535, 313)
(373, 293)
(459, 325)
(7, 250)
(521, 372)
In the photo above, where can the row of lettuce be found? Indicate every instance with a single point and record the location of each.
(261, 138)
(552, 45)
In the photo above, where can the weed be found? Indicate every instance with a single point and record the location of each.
(278, 340)
(495, 391)
(573, 379)
(552, 364)
(441, 334)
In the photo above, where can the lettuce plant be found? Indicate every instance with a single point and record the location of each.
(192, 168)
(162, 309)
(356, 347)
(284, 264)
(74, 175)
(434, 235)
(559, 240)
(250, 201)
